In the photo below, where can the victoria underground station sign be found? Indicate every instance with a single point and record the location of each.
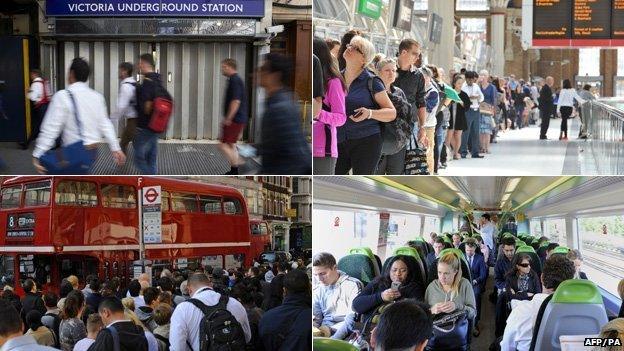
(151, 8)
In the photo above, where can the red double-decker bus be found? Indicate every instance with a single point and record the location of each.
(260, 237)
(53, 227)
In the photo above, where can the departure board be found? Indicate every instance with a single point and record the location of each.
(591, 19)
(551, 19)
(617, 19)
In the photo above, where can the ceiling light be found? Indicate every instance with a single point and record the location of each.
(512, 184)
(506, 197)
(449, 183)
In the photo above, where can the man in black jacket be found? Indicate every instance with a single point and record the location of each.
(145, 140)
(288, 326)
(131, 337)
(277, 286)
(546, 106)
(32, 300)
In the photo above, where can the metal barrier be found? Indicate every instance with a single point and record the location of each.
(603, 120)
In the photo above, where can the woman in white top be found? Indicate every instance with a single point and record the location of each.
(565, 106)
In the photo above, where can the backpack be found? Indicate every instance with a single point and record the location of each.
(45, 99)
(395, 134)
(218, 329)
(55, 330)
(162, 108)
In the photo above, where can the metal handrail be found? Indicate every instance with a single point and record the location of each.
(603, 123)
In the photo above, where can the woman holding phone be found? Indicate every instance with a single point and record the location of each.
(359, 139)
(450, 292)
(397, 282)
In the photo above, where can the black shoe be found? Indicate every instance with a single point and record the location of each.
(543, 138)
(463, 156)
(478, 156)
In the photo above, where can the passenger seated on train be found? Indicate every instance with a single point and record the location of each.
(485, 250)
(479, 271)
(456, 240)
(333, 297)
(504, 263)
(405, 325)
(438, 245)
(522, 283)
(519, 329)
(549, 249)
(575, 256)
(612, 330)
(402, 270)
(621, 293)
(450, 291)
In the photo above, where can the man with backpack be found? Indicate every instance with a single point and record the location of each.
(209, 320)
(51, 318)
(154, 108)
(126, 104)
(39, 94)
(120, 333)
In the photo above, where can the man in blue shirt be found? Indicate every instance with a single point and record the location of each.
(235, 114)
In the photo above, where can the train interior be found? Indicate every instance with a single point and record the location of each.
(378, 217)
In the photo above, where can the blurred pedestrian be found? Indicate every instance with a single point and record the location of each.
(234, 114)
(126, 104)
(39, 94)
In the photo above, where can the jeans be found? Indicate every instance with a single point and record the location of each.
(440, 136)
(145, 150)
(324, 165)
(471, 134)
(566, 112)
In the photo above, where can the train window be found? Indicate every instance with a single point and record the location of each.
(602, 246)
(37, 194)
(164, 196)
(118, 196)
(536, 228)
(72, 193)
(11, 197)
(183, 202)
(555, 230)
(210, 204)
(232, 206)
(432, 224)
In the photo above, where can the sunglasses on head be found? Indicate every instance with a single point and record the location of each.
(525, 265)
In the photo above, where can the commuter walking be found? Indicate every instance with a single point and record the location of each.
(78, 115)
(546, 106)
(283, 148)
(235, 114)
(126, 104)
(39, 95)
(566, 106)
(145, 139)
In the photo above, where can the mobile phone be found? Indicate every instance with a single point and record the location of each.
(358, 114)
(395, 285)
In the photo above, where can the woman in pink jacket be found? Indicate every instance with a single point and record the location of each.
(332, 115)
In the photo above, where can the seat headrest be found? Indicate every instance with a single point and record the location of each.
(457, 252)
(322, 344)
(525, 249)
(507, 234)
(577, 291)
(560, 250)
(407, 251)
(363, 251)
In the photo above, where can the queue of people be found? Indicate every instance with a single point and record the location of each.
(369, 110)
(264, 307)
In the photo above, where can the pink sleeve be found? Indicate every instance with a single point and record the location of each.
(335, 99)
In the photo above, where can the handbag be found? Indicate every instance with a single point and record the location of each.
(70, 159)
(486, 109)
(450, 332)
(415, 159)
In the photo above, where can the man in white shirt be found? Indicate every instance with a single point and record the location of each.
(60, 119)
(39, 95)
(126, 104)
(470, 137)
(487, 230)
(186, 317)
(519, 329)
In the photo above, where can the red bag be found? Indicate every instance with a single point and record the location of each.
(45, 99)
(162, 109)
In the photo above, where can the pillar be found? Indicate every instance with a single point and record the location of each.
(442, 54)
(498, 9)
(572, 237)
(608, 69)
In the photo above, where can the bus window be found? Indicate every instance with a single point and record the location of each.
(232, 206)
(164, 196)
(6, 268)
(118, 196)
(37, 194)
(11, 197)
(183, 202)
(26, 266)
(72, 193)
(210, 204)
(259, 229)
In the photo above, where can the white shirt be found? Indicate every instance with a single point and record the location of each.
(59, 119)
(125, 100)
(83, 344)
(566, 98)
(471, 90)
(519, 329)
(487, 233)
(186, 319)
(35, 93)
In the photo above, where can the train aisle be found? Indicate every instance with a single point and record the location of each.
(486, 325)
(520, 152)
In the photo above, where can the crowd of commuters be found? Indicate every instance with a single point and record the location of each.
(264, 307)
(75, 119)
(347, 308)
(365, 103)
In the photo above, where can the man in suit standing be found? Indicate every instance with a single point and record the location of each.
(438, 246)
(546, 106)
(479, 273)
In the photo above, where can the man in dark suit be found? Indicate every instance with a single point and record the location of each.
(438, 246)
(479, 273)
(130, 336)
(546, 105)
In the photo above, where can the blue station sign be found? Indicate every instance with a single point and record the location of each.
(155, 8)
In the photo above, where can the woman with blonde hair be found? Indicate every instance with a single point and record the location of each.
(612, 330)
(450, 292)
(621, 293)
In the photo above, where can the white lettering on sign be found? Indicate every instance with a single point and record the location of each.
(155, 8)
(89, 7)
